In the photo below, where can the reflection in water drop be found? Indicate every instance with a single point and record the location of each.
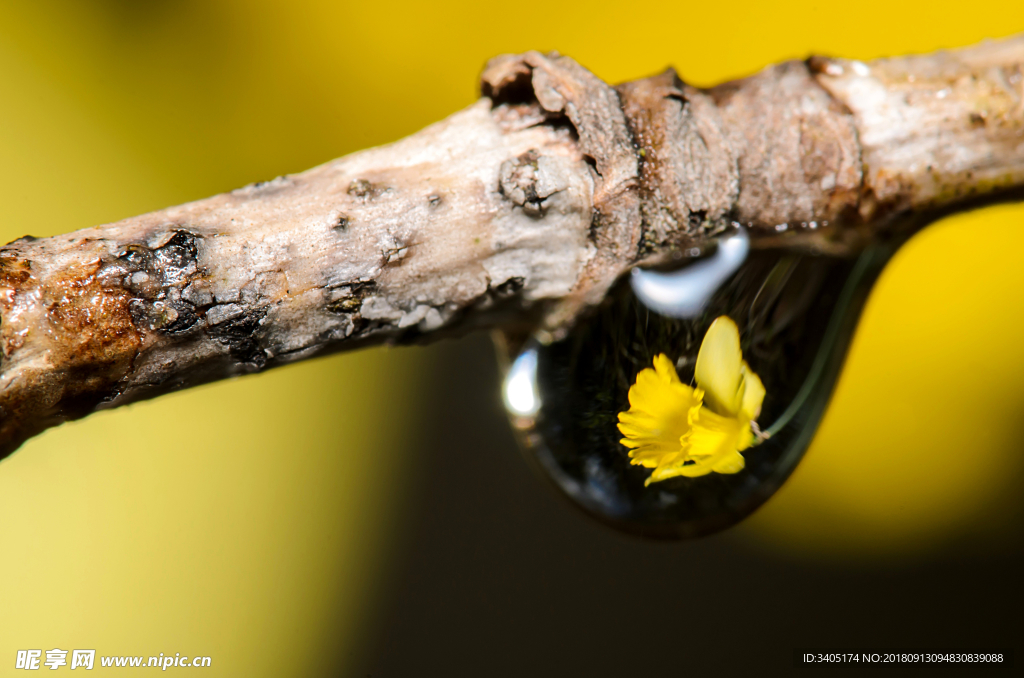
(685, 293)
(796, 314)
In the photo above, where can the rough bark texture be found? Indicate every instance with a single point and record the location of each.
(523, 208)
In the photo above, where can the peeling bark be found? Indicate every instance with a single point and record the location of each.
(522, 209)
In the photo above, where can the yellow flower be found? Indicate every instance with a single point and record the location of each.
(682, 431)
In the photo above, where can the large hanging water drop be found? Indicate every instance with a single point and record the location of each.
(796, 313)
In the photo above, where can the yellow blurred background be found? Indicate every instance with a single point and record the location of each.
(253, 521)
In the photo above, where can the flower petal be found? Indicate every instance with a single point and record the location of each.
(652, 457)
(732, 462)
(654, 392)
(677, 469)
(695, 470)
(665, 369)
(659, 415)
(714, 441)
(711, 445)
(712, 433)
(667, 471)
(719, 367)
(753, 393)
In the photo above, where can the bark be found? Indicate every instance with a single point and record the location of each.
(523, 209)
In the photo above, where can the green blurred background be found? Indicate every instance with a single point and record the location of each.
(365, 514)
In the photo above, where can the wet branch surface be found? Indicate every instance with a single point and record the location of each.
(520, 211)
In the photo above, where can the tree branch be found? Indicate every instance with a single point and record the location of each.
(522, 209)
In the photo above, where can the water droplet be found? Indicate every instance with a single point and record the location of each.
(685, 293)
(796, 313)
